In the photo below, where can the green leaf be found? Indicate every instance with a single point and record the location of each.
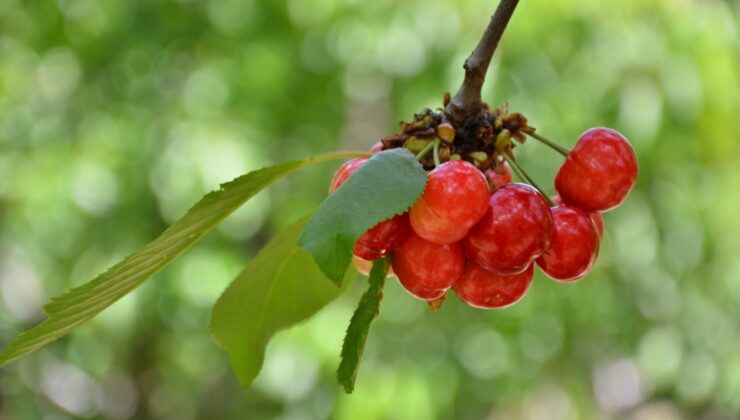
(80, 304)
(359, 326)
(280, 287)
(387, 184)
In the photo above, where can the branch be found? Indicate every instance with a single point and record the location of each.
(467, 101)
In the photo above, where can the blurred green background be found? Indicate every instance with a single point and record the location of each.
(116, 116)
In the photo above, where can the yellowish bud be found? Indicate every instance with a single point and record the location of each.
(446, 132)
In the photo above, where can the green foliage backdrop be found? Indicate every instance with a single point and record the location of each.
(116, 116)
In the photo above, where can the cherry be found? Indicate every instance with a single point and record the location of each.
(599, 172)
(425, 269)
(514, 231)
(454, 200)
(485, 289)
(344, 172)
(574, 245)
(595, 216)
(497, 180)
(381, 239)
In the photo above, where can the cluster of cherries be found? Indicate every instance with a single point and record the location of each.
(481, 234)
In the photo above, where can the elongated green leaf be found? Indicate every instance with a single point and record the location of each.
(279, 288)
(387, 184)
(73, 308)
(359, 326)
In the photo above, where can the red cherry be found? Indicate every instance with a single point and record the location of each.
(454, 200)
(497, 180)
(487, 290)
(599, 172)
(425, 269)
(595, 216)
(384, 237)
(377, 147)
(344, 172)
(574, 245)
(514, 231)
(379, 241)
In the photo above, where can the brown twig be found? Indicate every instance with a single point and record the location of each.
(467, 102)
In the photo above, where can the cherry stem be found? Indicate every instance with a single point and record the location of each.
(423, 153)
(436, 153)
(467, 101)
(522, 174)
(558, 148)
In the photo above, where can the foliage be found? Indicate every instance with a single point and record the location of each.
(359, 325)
(73, 308)
(280, 287)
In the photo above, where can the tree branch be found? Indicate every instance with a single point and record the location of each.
(467, 101)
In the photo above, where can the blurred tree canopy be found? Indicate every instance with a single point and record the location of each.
(116, 116)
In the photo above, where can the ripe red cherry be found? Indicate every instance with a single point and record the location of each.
(497, 180)
(514, 231)
(485, 289)
(599, 172)
(595, 216)
(344, 172)
(574, 245)
(384, 237)
(425, 269)
(454, 200)
(379, 241)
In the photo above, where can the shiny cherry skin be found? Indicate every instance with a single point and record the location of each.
(515, 230)
(599, 172)
(574, 245)
(425, 269)
(497, 180)
(384, 237)
(485, 289)
(595, 216)
(455, 198)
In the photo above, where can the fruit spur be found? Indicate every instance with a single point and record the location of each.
(478, 233)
